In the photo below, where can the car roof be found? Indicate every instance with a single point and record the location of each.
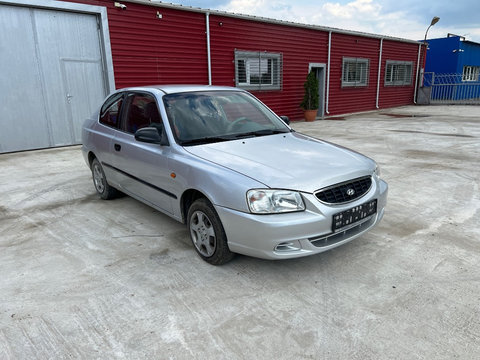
(171, 89)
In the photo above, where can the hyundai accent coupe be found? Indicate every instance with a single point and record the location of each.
(223, 163)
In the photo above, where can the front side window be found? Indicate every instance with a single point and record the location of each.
(142, 111)
(258, 70)
(470, 73)
(110, 111)
(355, 72)
(398, 73)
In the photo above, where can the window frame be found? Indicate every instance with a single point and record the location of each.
(389, 79)
(274, 61)
(107, 106)
(355, 83)
(470, 73)
(128, 100)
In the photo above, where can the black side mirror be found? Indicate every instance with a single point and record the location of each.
(151, 135)
(285, 119)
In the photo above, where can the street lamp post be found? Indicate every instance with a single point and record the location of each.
(433, 22)
(420, 71)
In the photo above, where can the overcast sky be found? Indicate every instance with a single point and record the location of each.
(401, 18)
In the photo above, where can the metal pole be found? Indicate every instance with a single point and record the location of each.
(328, 71)
(418, 74)
(379, 71)
(209, 59)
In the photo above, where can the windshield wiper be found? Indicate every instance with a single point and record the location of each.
(263, 132)
(206, 140)
(214, 139)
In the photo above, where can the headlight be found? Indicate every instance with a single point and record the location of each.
(266, 201)
(377, 171)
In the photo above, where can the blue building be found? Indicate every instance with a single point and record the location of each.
(452, 68)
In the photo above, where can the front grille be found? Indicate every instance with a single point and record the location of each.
(345, 192)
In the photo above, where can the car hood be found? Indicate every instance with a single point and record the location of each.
(287, 161)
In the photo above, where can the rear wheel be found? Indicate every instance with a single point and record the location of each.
(207, 233)
(105, 191)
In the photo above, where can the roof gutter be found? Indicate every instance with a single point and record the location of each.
(379, 73)
(266, 20)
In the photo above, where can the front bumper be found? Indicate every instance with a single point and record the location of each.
(291, 235)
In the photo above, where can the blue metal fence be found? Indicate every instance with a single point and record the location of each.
(451, 89)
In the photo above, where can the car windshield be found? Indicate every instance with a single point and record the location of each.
(212, 116)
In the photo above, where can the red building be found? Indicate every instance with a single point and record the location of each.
(165, 44)
(75, 52)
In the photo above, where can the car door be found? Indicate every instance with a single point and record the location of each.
(101, 137)
(142, 168)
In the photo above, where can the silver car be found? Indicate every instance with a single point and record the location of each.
(220, 161)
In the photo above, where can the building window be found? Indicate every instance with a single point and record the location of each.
(355, 72)
(258, 70)
(470, 73)
(398, 73)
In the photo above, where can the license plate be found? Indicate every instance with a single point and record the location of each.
(353, 215)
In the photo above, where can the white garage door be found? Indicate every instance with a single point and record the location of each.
(52, 76)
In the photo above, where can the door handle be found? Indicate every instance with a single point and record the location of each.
(117, 147)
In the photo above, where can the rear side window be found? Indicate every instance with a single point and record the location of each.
(142, 111)
(110, 112)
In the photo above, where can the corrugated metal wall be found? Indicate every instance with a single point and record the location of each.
(148, 50)
(298, 46)
(391, 96)
(173, 49)
(352, 99)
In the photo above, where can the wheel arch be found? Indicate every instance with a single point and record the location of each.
(187, 199)
(91, 156)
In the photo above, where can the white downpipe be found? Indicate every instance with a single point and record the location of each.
(209, 58)
(379, 73)
(327, 97)
(418, 74)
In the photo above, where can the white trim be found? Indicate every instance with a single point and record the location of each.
(322, 100)
(209, 55)
(328, 72)
(379, 70)
(99, 11)
(315, 65)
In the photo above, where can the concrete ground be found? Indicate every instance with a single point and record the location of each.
(84, 278)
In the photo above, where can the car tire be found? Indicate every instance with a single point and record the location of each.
(207, 233)
(105, 191)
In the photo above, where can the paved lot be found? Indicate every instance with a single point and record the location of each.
(85, 278)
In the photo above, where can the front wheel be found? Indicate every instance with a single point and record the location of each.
(105, 191)
(207, 233)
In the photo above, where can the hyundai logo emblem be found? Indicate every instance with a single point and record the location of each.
(350, 192)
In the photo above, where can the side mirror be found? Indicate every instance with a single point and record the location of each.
(151, 135)
(285, 119)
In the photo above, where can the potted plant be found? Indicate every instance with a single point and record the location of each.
(310, 99)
